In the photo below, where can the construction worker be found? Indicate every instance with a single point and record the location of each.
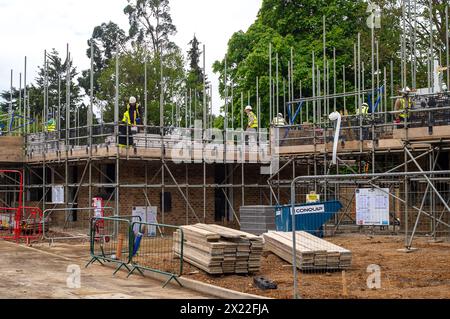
(50, 129)
(279, 120)
(132, 115)
(131, 118)
(364, 110)
(403, 104)
(280, 131)
(51, 125)
(252, 120)
(252, 126)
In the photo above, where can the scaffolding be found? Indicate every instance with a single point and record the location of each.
(369, 144)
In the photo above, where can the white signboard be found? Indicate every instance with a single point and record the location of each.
(58, 195)
(147, 215)
(372, 207)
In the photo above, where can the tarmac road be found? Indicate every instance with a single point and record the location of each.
(30, 273)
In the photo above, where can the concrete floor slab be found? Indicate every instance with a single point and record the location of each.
(30, 273)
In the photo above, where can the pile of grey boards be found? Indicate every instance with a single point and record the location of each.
(257, 220)
(219, 250)
(313, 253)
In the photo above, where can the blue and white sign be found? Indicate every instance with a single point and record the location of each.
(303, 210)
(372, 207)
(311, 209)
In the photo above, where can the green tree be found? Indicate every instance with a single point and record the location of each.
(132, 66)
(148, 42)
(105, 39)
(299, 25)
(194, 80)
(195, 74)
(56, 87)
(151, 23)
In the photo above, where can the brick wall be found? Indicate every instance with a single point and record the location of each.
(134, 172)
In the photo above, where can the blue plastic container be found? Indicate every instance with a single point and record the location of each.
(308, 217)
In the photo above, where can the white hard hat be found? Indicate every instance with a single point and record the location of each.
(133, 100)
(280, 115)
(405, 90)
(248, 108)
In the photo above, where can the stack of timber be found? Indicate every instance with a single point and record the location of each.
(219, 250)
(313, 253)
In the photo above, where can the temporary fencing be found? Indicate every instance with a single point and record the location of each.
(70, 223)
(155, 253)
(110, 241)
(132, 244)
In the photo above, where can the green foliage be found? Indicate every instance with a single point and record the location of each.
(151, 23)
(194, 79)
(105, 38)
(147, 42)
(195, 73)
(56, 77)
(299, 25)
(219, 122)
(132, 66)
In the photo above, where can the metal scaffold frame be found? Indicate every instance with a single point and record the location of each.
(67, 140)
(313, 111)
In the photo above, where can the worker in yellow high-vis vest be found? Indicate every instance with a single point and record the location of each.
(364, 110)
(51, 125)
(403, 104)
(252, 120)
(252, 126)
(132, 115)
(131, 119)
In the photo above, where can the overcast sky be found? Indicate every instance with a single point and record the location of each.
(28, 27)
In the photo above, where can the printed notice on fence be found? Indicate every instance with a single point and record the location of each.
(146, 215)
(372, 207)
(58, 194)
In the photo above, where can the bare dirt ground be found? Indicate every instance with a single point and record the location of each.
(421, 274)
(40, 272)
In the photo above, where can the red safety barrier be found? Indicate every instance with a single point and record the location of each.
(17, 223)
(23, 223)
(9, 229)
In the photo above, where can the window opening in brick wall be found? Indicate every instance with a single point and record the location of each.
(167, 202)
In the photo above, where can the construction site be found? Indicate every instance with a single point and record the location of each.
(194, 211)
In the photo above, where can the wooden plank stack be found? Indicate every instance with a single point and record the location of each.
(220, 250)
(313, 253)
